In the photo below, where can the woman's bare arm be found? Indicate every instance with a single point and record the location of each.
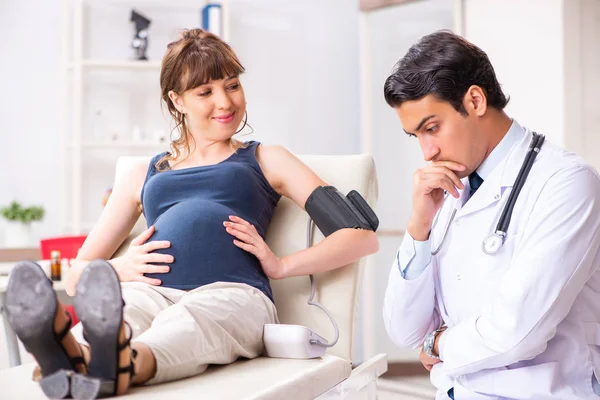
(293, 179)
(116, 222)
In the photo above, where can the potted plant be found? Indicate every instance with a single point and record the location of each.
(18, 226)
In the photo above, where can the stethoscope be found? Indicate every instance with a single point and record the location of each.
(494, 241)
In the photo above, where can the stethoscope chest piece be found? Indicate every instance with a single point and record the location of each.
(492, 243)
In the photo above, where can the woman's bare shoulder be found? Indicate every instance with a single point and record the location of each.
(273, 154)
(130, 175)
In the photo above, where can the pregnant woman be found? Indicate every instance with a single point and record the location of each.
(193, 289)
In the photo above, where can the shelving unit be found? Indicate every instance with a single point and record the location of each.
(96, 38)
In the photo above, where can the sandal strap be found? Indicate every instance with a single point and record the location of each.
(77, 360)
(125, 344)
(127, 341)
(61, 335)
(126, 370)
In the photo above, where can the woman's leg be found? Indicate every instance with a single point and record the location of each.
(214, 324)
(99, 292)
(143, 302)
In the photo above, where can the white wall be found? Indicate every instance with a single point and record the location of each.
(582, 78)
(302, 74)
(29, 109)
(547, 57)
(590, 81)
(524, 41)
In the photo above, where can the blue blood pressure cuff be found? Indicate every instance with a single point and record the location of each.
(331, 210)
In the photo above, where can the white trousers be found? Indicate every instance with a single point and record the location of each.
(188, 330)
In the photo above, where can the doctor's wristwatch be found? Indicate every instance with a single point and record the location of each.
(430, 342)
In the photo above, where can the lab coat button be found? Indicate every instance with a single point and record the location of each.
(457, 223)
(458, 277)
(497, 197)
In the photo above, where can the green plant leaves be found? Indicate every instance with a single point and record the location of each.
(15, 212)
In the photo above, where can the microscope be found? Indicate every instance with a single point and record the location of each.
(140, 40)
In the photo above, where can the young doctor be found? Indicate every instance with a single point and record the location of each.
(497, 276)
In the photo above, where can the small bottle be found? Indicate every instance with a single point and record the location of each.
(55, 265)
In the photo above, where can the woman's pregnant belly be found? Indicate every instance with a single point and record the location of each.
(203, 251)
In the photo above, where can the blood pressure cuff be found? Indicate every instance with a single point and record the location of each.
(331, 210)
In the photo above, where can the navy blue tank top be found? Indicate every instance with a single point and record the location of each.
(188, 207)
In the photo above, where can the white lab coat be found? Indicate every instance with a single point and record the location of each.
(523, 323)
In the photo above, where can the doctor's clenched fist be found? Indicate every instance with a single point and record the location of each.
(430, 183)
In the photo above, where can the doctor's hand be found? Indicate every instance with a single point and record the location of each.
(248, 239)
(427, 361)
(429, 185)
(137, 260)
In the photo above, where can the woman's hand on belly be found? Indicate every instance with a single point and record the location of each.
(248, 239)
(135, 262)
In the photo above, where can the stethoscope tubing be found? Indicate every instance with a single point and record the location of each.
(441, 245)
(534, 148)
(505, 217)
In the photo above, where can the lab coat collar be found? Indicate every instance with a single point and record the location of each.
(501, 177)
(514, 134)
(513, 162)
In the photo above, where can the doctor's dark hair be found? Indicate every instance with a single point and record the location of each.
(444, 65)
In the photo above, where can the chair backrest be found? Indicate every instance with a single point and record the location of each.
(337, 290)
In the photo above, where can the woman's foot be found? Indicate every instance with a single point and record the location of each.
(41, 323)
(99, 306)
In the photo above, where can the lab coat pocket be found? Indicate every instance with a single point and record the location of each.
(592, 336)
(439, 379)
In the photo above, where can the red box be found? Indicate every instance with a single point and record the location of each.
(67, 245)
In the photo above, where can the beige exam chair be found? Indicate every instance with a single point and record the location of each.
(330, 377)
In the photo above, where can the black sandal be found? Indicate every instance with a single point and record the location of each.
(31, 304)
(99, 306)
